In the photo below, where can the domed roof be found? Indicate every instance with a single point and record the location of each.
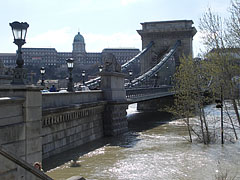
(78, 38)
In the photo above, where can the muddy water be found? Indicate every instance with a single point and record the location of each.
(154, 148)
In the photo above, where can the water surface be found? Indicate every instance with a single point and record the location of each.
(154, 148)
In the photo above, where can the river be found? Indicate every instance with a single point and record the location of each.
(153, 149)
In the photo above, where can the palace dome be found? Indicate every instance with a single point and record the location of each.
(78, 38)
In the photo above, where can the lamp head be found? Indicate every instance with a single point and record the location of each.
(83, 74)
(70, 63)
(42, 70)
(19, 31)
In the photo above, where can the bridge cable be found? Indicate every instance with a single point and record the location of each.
(150, 73)
(95, 82)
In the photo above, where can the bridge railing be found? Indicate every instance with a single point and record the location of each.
(10, 160)
(57, 99)
(139, 92)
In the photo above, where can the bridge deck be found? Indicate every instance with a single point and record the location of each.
(143, 94)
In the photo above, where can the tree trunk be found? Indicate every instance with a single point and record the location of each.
(189, 130)
(206, 125)
(202, 129)
(236, 110)
(231, 121)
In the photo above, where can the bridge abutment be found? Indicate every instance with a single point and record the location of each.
(114, 116)
(20, 128)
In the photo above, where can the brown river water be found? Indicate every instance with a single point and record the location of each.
(153, 149)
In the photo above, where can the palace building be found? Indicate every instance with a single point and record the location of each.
(50, 57)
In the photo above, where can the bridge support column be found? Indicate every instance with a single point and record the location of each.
(156, 104)
(20, 124)
(114, 118)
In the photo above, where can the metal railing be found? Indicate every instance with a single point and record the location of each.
(137, 93)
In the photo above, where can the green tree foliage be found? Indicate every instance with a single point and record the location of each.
(222, 42)
(190, 82)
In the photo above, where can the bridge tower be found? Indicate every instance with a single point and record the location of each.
(164, 34)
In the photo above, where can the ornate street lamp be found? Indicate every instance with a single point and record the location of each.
(42, 71)
(19, 31)
(156, 76)
(100, 68)
(130, 75)
(83, 76)
(70, 63)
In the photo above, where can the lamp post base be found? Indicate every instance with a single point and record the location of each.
(70, 87)
(19, 76)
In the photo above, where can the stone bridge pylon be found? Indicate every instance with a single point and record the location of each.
(164, 34)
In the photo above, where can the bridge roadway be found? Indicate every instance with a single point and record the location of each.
(135, 95)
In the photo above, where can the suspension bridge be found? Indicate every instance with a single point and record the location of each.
(42, 125)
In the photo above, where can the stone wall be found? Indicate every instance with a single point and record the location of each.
(70, 120)
(115, 119)
(20, 130)
(35, 125)
(12, 133)
(56, 99)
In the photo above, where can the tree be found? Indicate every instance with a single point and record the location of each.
(221, 40)
(233, 25)
(190, 82)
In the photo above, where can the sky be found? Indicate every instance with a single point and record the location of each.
(103, 23)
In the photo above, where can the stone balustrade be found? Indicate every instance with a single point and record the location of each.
(70, 119)
(64, 99)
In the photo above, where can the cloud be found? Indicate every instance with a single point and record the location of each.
(52, 38)
(62, 40)
(97, 42)
(198, 46)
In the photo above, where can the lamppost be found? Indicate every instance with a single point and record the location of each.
(83, 76)
(130, 76)
(42, 71)
(70, 63)
(220, 106)
(156, 76)
(100, 68)
(19, 31)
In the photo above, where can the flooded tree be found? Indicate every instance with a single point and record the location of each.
(190, 83)
(222, 42)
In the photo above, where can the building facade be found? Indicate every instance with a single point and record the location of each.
(50, 57)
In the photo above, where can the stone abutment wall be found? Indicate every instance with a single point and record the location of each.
(66, 128)
(20, 129)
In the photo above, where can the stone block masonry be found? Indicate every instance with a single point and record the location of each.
(115, 120)
(164, 34)
(20, 130)
(66, 128)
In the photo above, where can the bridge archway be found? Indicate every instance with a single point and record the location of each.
(164, 34)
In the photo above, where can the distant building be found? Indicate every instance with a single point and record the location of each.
(5, 74)
(50, 56)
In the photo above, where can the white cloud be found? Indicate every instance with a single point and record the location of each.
(97, 42)
(198, 46)
(58, 39)
(62, 40)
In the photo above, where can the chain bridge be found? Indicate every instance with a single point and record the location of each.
(42, 125)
